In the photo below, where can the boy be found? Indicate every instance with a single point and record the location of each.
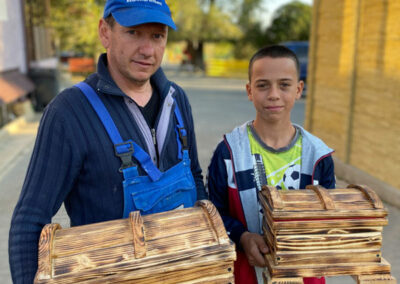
(261, 152)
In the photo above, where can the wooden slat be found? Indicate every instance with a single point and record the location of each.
(179, 263)
(163, 225)
(327, 257)
(353, 211)
(138, 233)
(371, 195)
(333, 241)
(329, 231)
(86, 238)
(333, 269)
(45, 249)
(332, 223)
(92, 259)
(376, 279)
(283, 280)
(324, 195)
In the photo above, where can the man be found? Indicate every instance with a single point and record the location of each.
(114, 143)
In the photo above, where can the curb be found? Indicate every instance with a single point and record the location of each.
(353, 175)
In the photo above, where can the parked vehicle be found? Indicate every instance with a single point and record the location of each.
(301, 50)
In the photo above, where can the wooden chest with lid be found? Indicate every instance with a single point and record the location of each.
(323, 232)
(180, 246)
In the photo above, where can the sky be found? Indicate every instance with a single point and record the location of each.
(270, 6)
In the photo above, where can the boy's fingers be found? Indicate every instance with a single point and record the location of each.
(258, 259)
(262, 246)
(264, 250)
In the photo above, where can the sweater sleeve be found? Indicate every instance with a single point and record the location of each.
(325, 173)
(217, 185)
(50, 176)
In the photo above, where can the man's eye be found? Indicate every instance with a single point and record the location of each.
(285, 85)
(261, 86)
(158, 36)
(131, 32)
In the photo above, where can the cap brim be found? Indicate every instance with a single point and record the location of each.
(132, 17)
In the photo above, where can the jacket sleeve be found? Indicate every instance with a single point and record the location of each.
(194, 160)
(49, 175)
(325, 173)
(217, 185)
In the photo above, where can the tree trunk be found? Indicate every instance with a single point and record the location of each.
(196, 51)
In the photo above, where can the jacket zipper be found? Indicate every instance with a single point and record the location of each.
(153, 135)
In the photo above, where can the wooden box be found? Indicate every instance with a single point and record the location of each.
(320, 232)
(180, 246)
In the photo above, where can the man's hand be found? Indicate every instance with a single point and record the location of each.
(254, 247)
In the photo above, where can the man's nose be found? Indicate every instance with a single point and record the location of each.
(146, 47)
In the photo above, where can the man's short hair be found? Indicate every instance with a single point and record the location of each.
(274, 51)
(110, 20)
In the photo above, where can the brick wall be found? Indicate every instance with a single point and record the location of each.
(353, 100)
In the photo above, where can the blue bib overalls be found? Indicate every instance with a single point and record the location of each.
(157, 191)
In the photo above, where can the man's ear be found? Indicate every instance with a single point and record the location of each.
(104, 33)
(248, 90)
(299, 89)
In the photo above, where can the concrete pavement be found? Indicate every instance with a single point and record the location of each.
(218, 105)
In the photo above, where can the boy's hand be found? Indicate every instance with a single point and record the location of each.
(254, 247)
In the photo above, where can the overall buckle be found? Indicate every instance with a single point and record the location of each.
(183, 137)
(125, 154)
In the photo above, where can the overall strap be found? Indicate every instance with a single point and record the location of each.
(181, 134)
(123, 149)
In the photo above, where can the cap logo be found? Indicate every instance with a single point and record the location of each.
(151, 1)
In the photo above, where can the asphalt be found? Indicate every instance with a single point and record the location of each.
(213, 100)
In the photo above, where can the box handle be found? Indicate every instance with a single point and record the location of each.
(215, 219)
(323, 195)
(45, 266)
(370, 194)
(273, 196)
(139, 241)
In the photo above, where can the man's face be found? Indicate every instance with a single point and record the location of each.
(134, 53)
(273, 89)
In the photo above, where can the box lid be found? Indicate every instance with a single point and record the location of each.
(316, 202)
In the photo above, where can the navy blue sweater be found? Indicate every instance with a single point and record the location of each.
(73, 161)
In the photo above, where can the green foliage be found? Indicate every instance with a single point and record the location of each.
(200, 21)
(290, 22)
(74, 25)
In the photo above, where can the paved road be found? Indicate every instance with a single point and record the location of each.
(218, 105)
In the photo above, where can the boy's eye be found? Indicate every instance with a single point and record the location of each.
(261, 86)
(285, 85)
(131, 32)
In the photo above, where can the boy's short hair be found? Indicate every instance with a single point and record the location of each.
(274, 51)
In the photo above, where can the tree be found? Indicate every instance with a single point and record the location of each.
(74, 25)
(290, 22)
(199, 22)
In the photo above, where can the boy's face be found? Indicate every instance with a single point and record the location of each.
(274, 88)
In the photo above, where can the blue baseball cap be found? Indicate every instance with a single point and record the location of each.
(130, 13)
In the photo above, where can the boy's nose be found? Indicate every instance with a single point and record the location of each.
(273, 93)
